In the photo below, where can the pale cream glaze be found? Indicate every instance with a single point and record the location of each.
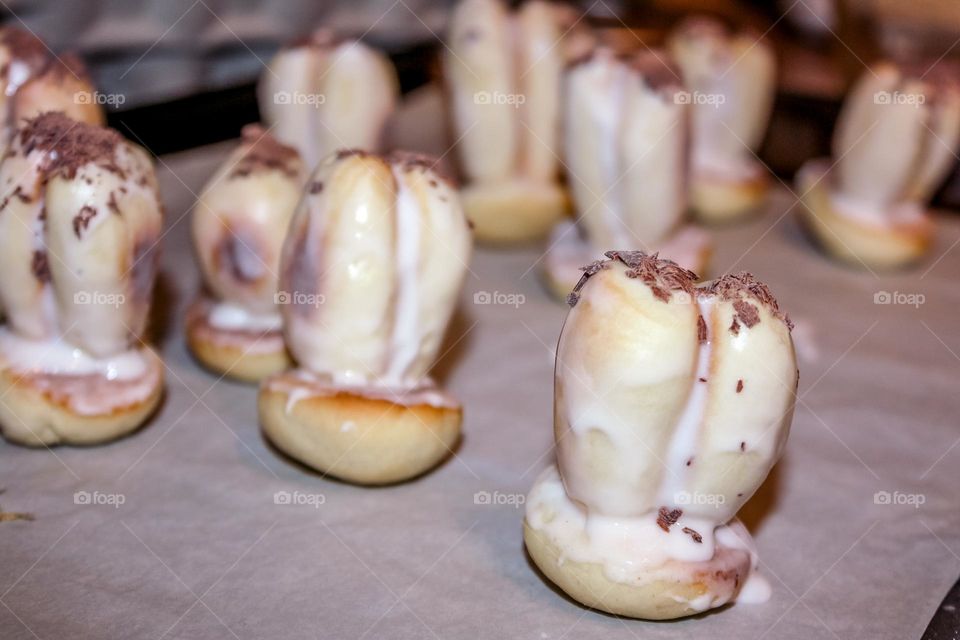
(625, 153)
(385, 244)
(894, 142)
(302, 384)
(335, 95)
(100, 264)
(731, 78)
(90, 386)
(504, 71)
(238, 226)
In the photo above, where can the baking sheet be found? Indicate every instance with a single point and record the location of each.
(184, 530)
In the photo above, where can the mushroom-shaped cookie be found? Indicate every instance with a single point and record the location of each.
(239, 224)
(370, 273)
(626, 138)
(503, 70)
(671, 405)
(80, 219)
(323, 94)
(731, 82)
(894, 143)
(34, 81)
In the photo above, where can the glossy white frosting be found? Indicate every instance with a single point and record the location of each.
(232, 316)
(635, 550)
(57, 357)
(300, 384)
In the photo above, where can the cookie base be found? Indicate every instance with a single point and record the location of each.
(515, 211)
(362, 437)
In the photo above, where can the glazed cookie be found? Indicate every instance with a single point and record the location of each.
(373, 264)
(239, 224)
(325, 93)
(671, 404)
(894, 143)
(503, 71)
(80, 220)
(731, 82)
(626, 139)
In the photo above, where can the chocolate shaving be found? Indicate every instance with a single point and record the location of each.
(82, 220)
(316, 187)
(701, 329)
(737, 287)
(735, 327)
(112, 203)
(409, 160)
(69, 144)
(689, 461)
(702, 379)
(666, 518)
(264, 153)
(747, 313)
(662, 276)
(743, 446)
(693, 534)
(739, 386)
(40, 266)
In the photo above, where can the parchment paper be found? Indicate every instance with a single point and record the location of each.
(203, 545)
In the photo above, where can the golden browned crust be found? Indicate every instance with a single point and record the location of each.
(36, 411)
(248, 356)
(356, 438)
(662, 597)
(514, 211)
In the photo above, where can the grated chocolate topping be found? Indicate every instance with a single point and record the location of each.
(264, 152)
(693, 534)
(70, 144)
(666, 518)
(82, 220)
(409, 160)
(738, 288)
(662, 276)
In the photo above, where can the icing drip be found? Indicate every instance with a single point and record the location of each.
(405, 340)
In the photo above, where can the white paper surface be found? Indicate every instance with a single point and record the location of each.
(200, 548)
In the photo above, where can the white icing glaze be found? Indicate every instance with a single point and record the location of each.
(231, 316)
(686, 433)
(57, 357)
(405, 339)
(301, 384)
(873, 214)
(635, 550)
(723, 166)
